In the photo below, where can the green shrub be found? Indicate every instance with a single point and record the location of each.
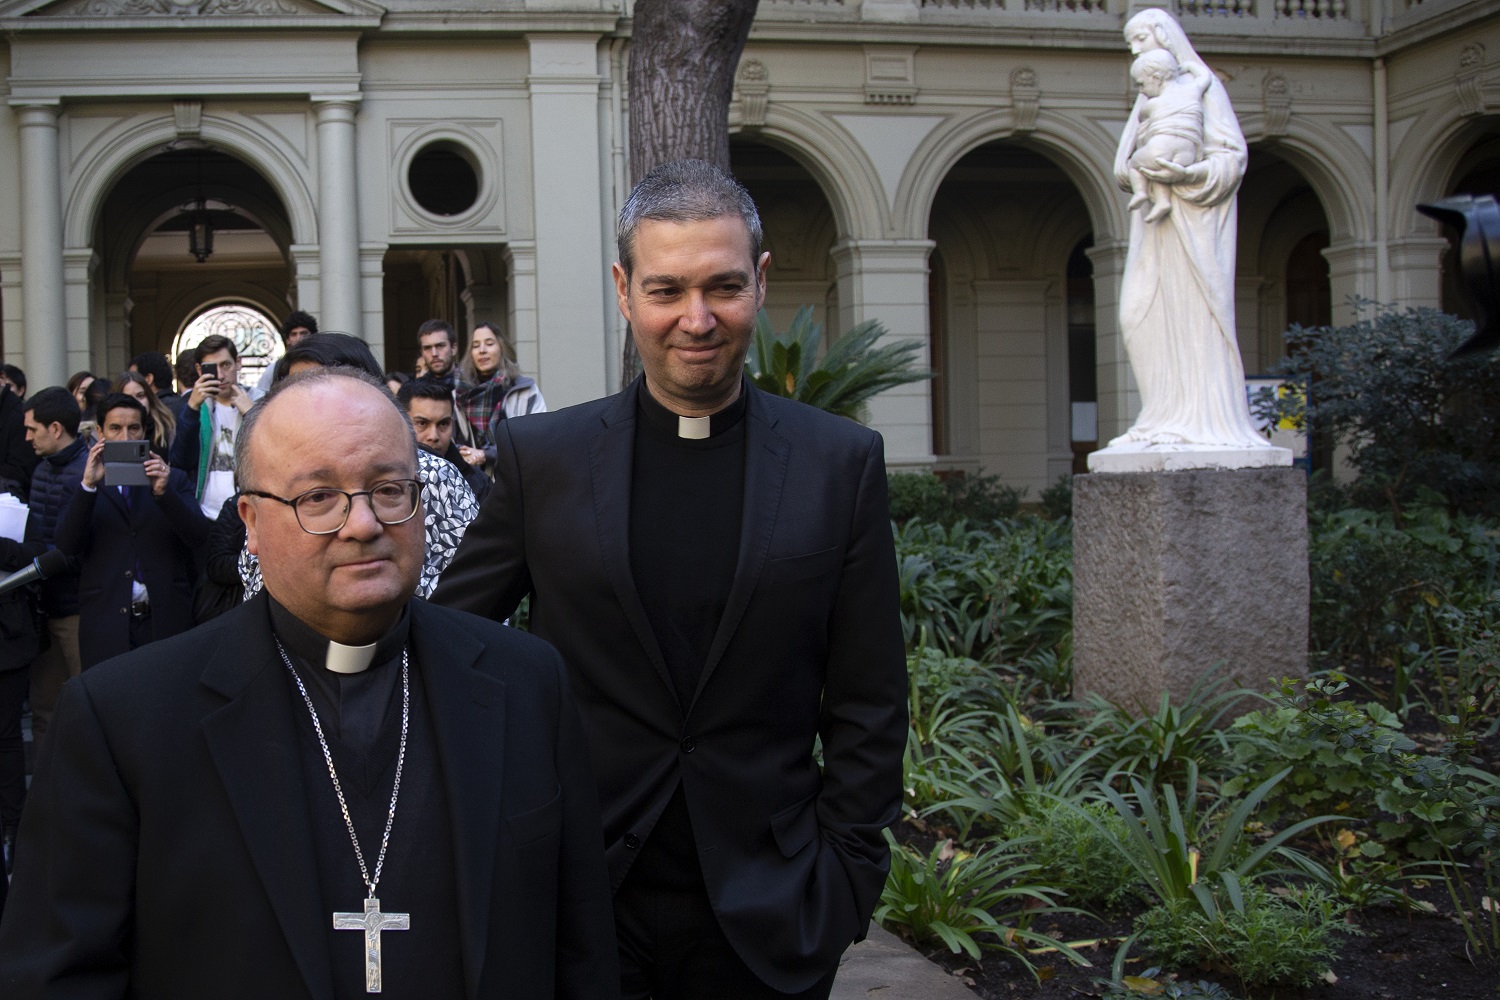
(976, 498)
(1057, 499)
(1077, 856)
(999, 596)
(918, 495)
(1353, 758)
(1385, 388)
(1287, 937)
(967, 902)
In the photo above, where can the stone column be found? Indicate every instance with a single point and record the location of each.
(79, 265)
(372, 280)
(570, 188)
(307, 275)
(42, 297)
(887, 280)
(338, 214)
(1417, 270)
(520, 316)
(1119, 399)
(1351, 273)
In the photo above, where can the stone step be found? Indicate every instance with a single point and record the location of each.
(884, 967)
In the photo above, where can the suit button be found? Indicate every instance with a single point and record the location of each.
(632, 841)
(688, 744)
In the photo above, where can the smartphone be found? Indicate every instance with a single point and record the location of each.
(124, 463)
(209, 368)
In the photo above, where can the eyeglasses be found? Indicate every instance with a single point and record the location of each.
(324, 511)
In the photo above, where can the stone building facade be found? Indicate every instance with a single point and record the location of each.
(941, 165)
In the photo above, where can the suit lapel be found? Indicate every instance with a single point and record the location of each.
(467, 709)
(766, 454)
(253, 743)
(611, 455)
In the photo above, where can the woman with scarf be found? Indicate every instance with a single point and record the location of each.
(496, 391)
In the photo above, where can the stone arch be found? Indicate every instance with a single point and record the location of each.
(842, 170)
(1445, 135)
(136, 140)
(1084, 154)
(1325, 157)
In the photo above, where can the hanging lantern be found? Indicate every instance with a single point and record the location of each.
(200, 232)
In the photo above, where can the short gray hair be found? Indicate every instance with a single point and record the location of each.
(251, 420)
(685, 191)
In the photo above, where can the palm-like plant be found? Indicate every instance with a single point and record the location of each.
(845, 378)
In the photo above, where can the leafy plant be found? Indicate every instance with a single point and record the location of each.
(1286, 937)
(1057, 499)
(1164, 743)
(966, 902)
(849, 374)
(1385, 388)
(1078, 856)
(1354, 758)
(1165, 835)
(975, 498)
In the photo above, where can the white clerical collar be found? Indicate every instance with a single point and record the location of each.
(344, 659)
(693, 428)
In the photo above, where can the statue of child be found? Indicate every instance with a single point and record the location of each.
(1171, 125)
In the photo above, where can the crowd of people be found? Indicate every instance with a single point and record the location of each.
(353, 777)
(166, 549)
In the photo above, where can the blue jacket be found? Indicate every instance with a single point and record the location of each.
(53, 484)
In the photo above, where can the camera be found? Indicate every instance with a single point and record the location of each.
(124, 463)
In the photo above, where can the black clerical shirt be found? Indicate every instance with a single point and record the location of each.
(686, 502)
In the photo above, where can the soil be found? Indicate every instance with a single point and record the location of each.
(1396, 956)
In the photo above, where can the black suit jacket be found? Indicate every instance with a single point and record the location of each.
(166, 851)
(110, 536)
(809, 646)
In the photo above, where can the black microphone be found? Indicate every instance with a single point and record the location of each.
(49, 563)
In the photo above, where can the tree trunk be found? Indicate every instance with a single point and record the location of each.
(683, 56)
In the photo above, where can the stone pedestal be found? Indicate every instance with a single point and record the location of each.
(1176, 572)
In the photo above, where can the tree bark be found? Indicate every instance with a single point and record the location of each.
(683, 56)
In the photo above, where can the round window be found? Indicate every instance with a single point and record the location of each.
(443, 178)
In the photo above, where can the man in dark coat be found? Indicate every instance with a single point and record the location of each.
(716, 566)
(331, 789)
(135, 545)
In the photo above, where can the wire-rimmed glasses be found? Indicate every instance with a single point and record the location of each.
(325, 510)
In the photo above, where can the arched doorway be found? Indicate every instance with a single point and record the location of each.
(1282, 272)
(799, 232)
(181, 231)
(1477, 173)
(255, 335)
(1012, 295)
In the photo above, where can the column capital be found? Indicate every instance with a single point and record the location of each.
(31, 111)
(335, 107)
(874, 256)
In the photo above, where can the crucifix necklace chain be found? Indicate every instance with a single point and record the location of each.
(371, 921)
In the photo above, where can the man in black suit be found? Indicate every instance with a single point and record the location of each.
(330, 790)
(135, 545)
(716, 566)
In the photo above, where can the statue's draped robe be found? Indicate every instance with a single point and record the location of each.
(1177, 298)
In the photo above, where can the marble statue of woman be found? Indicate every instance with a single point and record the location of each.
(1177, 295)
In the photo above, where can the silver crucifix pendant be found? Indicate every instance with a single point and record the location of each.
(372, 922)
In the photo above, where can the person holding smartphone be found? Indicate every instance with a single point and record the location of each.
(204, 446)
(134, 543)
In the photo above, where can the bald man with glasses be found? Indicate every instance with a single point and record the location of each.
(333, 789)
